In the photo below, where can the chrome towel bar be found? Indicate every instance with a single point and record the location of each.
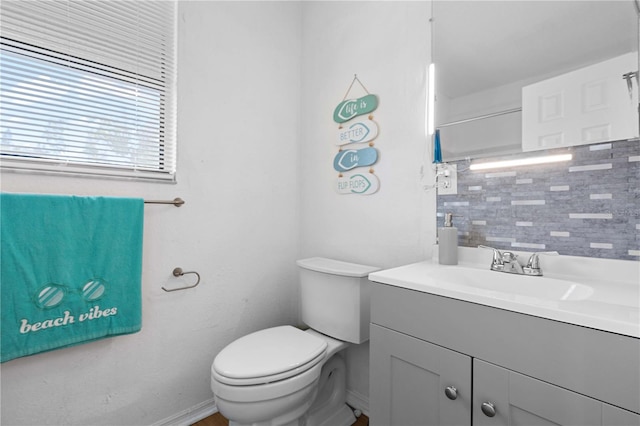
(176, 202)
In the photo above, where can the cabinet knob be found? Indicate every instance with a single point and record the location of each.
(488, 409)
(451, 392)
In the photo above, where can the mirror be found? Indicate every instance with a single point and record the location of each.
(486, 51)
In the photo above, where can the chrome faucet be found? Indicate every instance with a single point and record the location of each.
(508, 262)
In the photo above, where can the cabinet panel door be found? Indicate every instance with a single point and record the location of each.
(522, 400)
(614, 416)
(589, 105)
(408, 381)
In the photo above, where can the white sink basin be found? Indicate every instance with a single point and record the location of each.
(512, 286)
(597, 293)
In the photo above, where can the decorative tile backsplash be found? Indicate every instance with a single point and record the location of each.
(589, 206)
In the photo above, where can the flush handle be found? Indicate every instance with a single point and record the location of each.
(451, 392)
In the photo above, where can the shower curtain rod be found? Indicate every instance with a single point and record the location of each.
(480, 117)
(176, 202)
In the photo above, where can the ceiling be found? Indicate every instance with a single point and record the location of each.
(483, 44)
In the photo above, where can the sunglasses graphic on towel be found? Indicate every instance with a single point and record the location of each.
(51, 295)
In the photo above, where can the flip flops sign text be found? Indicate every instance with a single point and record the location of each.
(354, 132)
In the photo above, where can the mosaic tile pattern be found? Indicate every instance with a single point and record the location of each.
(589, 206)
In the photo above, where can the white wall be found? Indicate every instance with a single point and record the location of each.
(387, 44)
(239, 90)
(258, 82)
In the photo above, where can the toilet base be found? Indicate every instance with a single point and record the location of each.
(330, 408)
(342, 417)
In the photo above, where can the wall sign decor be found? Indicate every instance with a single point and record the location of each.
(355, 134)
(352, 158)
(350, 108)
(362, 183)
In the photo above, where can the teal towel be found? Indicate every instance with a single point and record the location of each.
(71, 270)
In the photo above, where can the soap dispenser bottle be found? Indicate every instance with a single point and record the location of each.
(448, 242)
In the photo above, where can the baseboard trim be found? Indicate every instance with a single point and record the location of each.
(190, 415)
(359, 401)
(208, 407)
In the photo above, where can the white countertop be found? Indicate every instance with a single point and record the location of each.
(602, 294)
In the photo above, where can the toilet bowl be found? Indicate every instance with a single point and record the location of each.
(282, 382)
(284, 376)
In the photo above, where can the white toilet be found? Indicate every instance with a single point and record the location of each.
(286, 376)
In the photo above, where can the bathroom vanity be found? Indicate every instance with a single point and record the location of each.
(456, 345)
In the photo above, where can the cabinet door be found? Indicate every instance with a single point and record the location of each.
(409, 381)
(522, 400)
(614, 416)
(589, 105)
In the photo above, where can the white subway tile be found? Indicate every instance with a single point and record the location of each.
(591, 167)
(606, 246)
(529, 245)
(600, 147)
(600, 196)
(527, 202)
(590, 216)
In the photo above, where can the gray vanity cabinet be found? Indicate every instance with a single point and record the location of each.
(416, 382)
(506, 368)
(510, 398)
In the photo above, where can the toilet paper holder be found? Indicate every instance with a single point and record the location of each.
(178, 272)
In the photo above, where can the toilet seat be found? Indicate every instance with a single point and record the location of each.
(267, 356)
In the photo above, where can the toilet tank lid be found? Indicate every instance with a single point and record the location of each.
(336, 267)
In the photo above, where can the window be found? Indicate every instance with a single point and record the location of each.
(88, 87)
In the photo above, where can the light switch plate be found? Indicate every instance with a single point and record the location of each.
(448, 182)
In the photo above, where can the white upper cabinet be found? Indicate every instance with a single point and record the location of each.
(592, 104)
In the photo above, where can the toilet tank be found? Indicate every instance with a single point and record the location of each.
(335, 298)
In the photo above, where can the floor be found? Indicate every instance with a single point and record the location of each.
(218, 420)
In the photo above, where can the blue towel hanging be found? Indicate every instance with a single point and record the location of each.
(71, 270)
(437, 152)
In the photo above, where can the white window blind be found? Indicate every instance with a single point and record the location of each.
(88, 87)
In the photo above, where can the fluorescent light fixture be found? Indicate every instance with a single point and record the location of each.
(431, 100)
(521, 162)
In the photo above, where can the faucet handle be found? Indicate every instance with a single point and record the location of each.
(533, 265)
(496, 253)
(534, 260)
(497, 263)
